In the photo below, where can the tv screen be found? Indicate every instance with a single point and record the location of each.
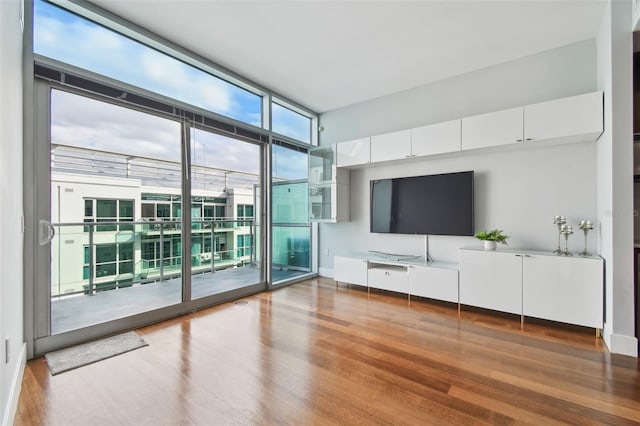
(430, 205)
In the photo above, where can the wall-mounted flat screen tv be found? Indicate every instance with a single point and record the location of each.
(431, 205)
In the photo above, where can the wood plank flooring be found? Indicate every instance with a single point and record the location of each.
(312, 353)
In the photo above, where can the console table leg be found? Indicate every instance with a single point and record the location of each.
(521, 322)
(598, 332)
(458, 309)
(409, 299)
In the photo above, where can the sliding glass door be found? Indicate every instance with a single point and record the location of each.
(123, 186)
(225, 173)
(113, 253)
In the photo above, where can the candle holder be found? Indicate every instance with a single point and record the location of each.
(559, 221)
(566, 230)
(586, 226)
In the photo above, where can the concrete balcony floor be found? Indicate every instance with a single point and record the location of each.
(74, 312)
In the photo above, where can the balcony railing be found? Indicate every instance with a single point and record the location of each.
(89, 257)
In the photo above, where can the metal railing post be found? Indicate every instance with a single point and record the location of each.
(161, 251)
(251, 251)
(213, 246)
(91, 261)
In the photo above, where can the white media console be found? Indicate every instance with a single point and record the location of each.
(527, 283)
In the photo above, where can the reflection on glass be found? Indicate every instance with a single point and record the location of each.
(290, 123)
(224, 176)
(291, 233)
(116, 252)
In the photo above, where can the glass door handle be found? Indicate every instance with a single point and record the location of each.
(46, 232)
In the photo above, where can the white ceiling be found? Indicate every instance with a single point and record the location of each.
(329, 54)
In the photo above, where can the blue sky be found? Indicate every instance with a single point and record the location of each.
(82, 122)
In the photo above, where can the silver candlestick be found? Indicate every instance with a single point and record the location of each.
(559, 221)
(585, 225)
(566, 230)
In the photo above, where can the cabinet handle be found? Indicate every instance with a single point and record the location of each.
(386, 273)
(518, 140)
(518, 255)
(530, 139)
(527, 255)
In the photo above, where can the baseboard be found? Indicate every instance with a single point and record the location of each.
(16, 385)
(325, 272)
(620, 344)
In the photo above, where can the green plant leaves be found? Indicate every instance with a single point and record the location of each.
(496, 235)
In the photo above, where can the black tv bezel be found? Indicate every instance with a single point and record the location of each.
(472, 172)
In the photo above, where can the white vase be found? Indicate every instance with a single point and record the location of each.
(490, 245)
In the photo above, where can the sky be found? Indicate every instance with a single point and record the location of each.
(88, 123)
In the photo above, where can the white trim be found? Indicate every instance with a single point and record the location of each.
(325, 272)
(620, 343)
(14, 392)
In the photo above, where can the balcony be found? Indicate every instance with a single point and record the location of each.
(103, 271)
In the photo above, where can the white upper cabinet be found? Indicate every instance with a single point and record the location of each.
(574, 119)
(391, 146)
(495, 128)
(436, 138)
(355, 152)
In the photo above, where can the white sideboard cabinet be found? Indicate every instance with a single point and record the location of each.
(435, 283)
(435, 280)
(534, 284)
(563, 289)
(492, 280)
(350, 270)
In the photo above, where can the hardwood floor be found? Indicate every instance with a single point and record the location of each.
(312, 353)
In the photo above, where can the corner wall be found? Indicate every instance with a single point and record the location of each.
(11, 234)
(615, 175)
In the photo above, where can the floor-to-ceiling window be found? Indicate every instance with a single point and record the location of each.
(155, 173)
(291, 230)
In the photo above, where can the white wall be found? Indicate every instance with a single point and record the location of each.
(615, 176)
(11, 235)
(519, 191)
(566, 71)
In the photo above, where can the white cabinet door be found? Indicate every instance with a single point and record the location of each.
(350, 270)
(436, 138)
(573, 119)
(388, 277)
(391, 146)
(495, 128)
(563, 289)
(434, 283)
(491, 280)
(352, 153)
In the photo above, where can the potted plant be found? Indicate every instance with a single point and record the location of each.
(491, 238)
